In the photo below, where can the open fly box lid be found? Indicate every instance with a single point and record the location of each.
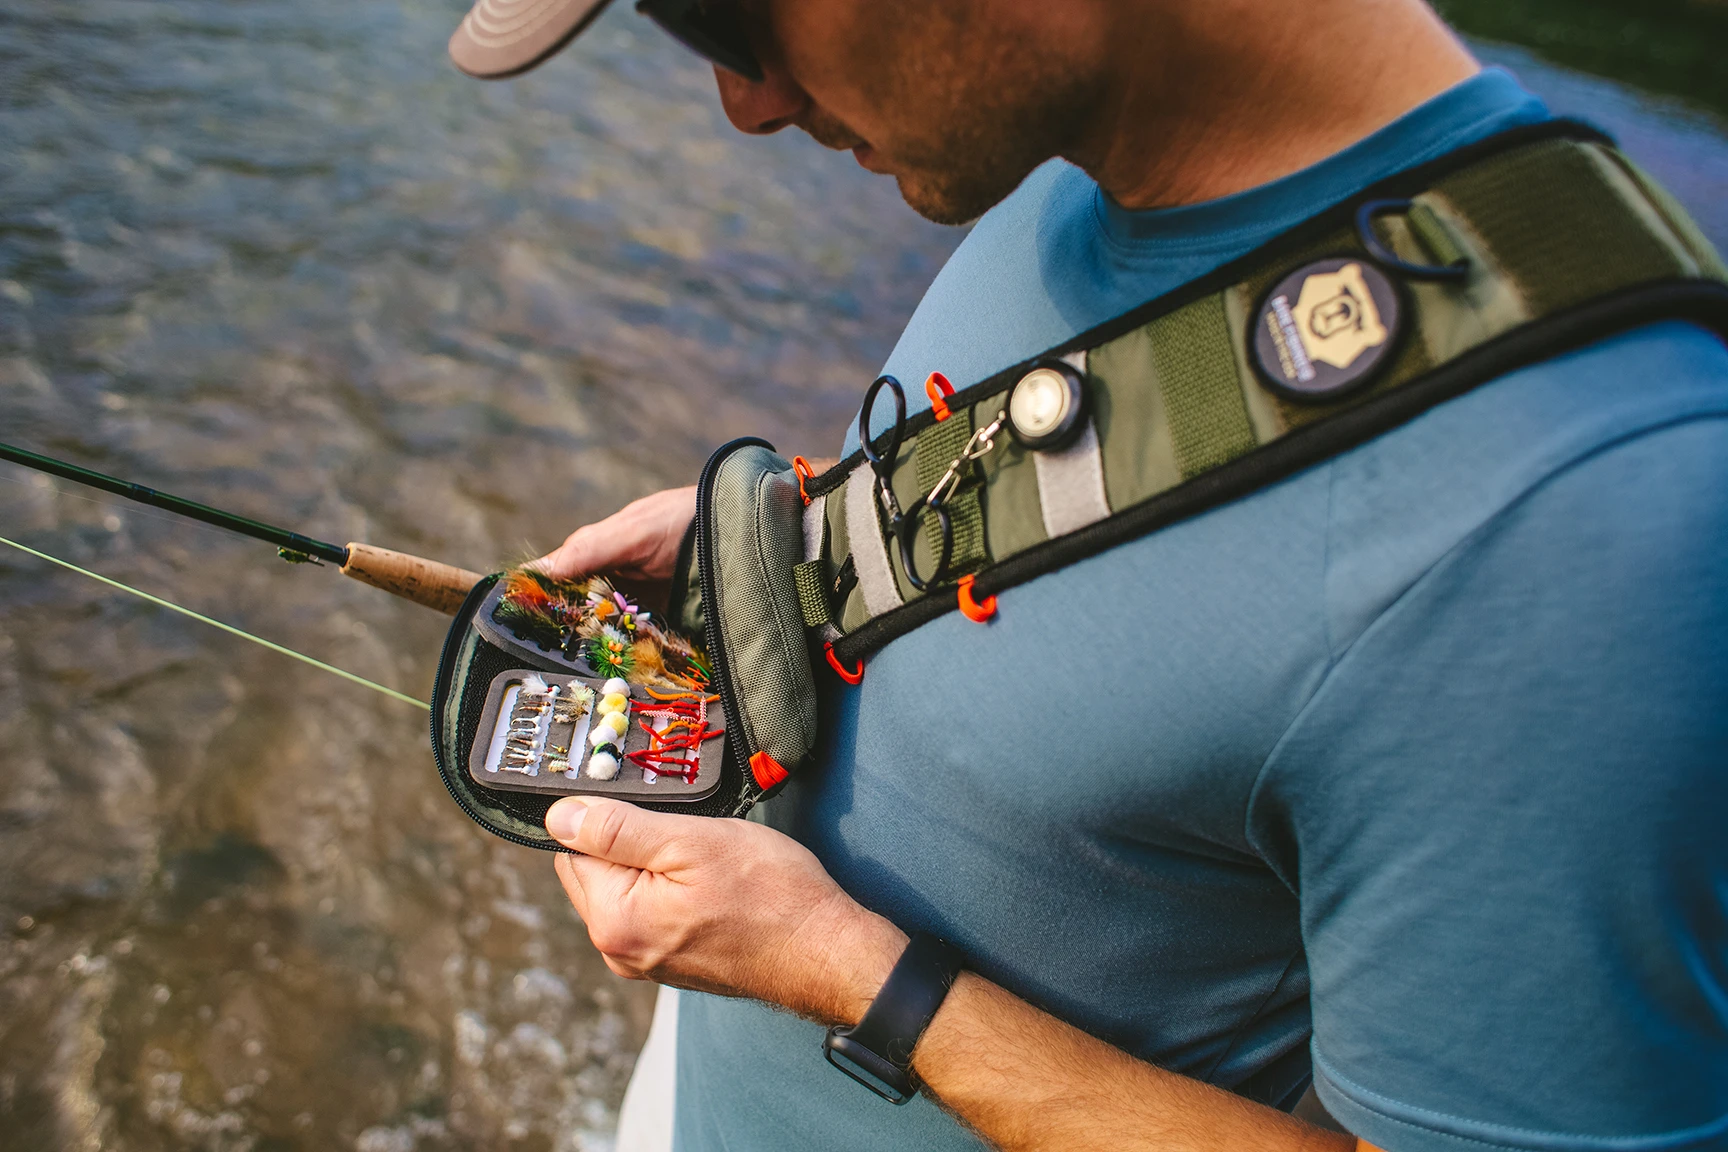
(565, 688)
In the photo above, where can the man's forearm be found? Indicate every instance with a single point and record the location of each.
(1025, 1080)
(739, 909)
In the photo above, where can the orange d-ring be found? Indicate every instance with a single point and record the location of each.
(805, 472)
(938, 389)
(856, 676)
(972, 609)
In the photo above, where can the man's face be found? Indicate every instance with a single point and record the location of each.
(956, 99)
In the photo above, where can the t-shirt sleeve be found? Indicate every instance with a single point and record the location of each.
(1505, 812)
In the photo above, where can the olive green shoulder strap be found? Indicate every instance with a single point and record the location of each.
(1373, 311)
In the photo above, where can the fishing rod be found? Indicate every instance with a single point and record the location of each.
(440, 586)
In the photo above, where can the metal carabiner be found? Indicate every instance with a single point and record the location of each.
(982, 443)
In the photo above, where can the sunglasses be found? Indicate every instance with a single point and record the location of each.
(713, 29)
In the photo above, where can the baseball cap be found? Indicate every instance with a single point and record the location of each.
(502, 38)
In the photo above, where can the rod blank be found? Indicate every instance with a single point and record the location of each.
(180, 506)
(440, 586)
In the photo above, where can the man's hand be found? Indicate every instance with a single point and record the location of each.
(638, 544)
(738, 909)
(720, 906)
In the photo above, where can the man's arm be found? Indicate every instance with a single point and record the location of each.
(1026, 1080)
(739, 909)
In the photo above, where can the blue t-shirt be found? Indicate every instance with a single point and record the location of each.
(1409, 773)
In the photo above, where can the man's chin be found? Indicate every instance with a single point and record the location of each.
(942, 203)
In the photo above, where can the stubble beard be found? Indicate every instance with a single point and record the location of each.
(977, 147)
(977, 170)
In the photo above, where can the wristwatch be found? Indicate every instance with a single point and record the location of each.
(877, 1052)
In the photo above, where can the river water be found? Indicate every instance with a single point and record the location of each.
(280, 257)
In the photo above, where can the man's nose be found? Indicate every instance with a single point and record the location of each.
(762, 107)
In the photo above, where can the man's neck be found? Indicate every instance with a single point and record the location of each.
(1208, 99)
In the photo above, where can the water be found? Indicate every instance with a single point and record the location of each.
(281, 257)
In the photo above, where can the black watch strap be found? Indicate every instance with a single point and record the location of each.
(877, 1052)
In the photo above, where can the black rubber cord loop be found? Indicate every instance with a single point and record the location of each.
(1389, 260)
(906, 533)
(882, 462)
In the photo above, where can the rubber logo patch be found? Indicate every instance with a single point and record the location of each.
(1326, 329)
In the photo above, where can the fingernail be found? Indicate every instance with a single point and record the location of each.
(564, 819)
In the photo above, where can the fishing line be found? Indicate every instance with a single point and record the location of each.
(228, 628)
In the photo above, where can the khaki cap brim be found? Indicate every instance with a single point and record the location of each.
(500, 38)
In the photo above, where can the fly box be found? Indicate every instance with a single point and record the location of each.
(534, 668)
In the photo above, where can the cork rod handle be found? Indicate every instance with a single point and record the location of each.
(427, 582)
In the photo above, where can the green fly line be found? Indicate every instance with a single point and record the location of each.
(228, 628)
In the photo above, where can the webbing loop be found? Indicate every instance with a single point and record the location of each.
(805, 471)
(939, 389)
(855, 676)
(1456, 269)
(979, 612)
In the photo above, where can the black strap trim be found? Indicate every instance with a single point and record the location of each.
(1400, 185)
(1703, 302)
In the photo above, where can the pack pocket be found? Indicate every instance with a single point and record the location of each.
(747, 539)
(734, 587)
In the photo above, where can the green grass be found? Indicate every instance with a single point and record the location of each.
(1678, 47)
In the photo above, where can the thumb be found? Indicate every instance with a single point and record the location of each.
(579, 555)
(620, 833)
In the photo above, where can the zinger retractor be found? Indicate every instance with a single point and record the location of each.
(1047, 407)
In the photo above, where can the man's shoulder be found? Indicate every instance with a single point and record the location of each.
(1403, 502)
(1510, 433)
(1512, 764)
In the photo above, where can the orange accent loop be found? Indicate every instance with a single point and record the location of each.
(972, 609)
(856, 676)
(938, 389)
(767, 770)
(805, 472)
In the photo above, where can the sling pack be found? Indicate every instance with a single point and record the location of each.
(1433, 282)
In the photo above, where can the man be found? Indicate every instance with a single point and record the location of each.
(1407, 774)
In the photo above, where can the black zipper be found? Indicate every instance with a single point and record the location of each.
(441, 688)
(737, 740)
